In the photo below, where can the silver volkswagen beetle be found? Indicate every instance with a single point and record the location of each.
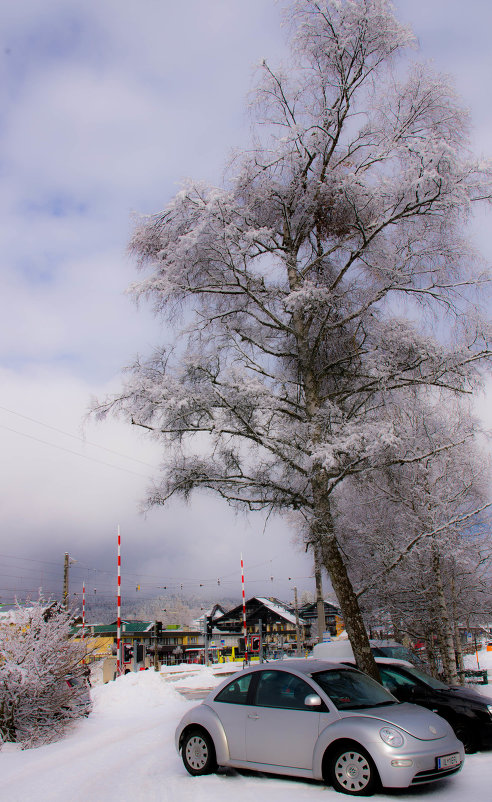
(318, 720)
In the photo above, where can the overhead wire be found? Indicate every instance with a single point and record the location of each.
(76, 437)
(75, 453)
(50, 573)
(172, 582)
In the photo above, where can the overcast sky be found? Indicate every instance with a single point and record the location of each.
(106, 106)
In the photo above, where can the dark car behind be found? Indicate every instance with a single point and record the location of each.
(466, 709)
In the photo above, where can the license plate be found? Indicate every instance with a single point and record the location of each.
(446, 761)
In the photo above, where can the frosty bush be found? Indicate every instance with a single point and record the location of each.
(38, 658)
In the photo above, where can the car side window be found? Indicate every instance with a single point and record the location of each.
(236, 692)
(280, 689)
(393, 679)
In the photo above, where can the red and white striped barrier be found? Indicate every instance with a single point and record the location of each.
(244, 613)
(118, 623)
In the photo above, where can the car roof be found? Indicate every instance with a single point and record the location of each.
(308, 666)
(394, 661)
(387, 661)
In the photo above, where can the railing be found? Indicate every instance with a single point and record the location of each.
(474, 676)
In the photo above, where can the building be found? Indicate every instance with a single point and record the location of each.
(143, 643)
(277, 621)
(333, 618)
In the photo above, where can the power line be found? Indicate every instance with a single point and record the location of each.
(76, 437)
(75, 453)
(29, 559)
(149, 585)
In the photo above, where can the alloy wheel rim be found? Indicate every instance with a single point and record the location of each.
(196, 753)
(352, 771)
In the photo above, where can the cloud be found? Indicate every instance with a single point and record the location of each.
(105, 108)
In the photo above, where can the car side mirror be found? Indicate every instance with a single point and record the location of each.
(312, 700)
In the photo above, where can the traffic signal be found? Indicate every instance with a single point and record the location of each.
(255, 643)
(127, 652)
(209, 626)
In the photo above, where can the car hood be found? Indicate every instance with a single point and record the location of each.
(467, 695)
(413, 719)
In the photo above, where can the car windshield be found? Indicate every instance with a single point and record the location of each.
(425, 678)
(398, 652)
(350, 689)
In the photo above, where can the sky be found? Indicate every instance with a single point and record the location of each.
(106, 107)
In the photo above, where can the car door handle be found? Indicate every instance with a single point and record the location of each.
(253, 715)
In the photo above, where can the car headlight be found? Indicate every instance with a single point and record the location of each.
(391, 736)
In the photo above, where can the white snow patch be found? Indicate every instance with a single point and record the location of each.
(125, 751)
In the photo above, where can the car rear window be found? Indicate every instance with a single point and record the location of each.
(236, 692)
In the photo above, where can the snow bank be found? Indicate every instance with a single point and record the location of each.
(124, 752)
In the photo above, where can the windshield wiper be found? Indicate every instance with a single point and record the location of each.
(383, 704)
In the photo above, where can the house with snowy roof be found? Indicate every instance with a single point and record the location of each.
(217, 611)
(277, 619)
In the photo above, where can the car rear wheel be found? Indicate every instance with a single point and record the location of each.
(198, 752)
(352, 771)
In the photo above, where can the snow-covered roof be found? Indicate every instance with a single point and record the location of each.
(281, 609)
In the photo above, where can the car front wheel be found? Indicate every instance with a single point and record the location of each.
(198, 753)
(467, 738)
(352, 771)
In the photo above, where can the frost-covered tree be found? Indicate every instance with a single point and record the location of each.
(423, 537)
(308, 284)
(39, 666)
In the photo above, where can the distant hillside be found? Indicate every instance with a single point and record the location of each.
(168, 609)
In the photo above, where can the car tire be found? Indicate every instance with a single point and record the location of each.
(198, 752)
(468, 739)
(351, 770)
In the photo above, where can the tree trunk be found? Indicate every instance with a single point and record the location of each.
(458, 649)
(447, 640)
(333, 562)
(396, 624)
(431, 653)
(322, 528)
(320, 602)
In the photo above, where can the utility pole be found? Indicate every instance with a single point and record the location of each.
(156, 654)
(298, 628)
(65, 580)
(205, 638)
(66, 568)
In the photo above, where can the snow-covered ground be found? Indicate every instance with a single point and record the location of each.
(124, 752)
(481, 660)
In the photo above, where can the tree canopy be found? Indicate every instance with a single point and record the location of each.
(322, 288)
